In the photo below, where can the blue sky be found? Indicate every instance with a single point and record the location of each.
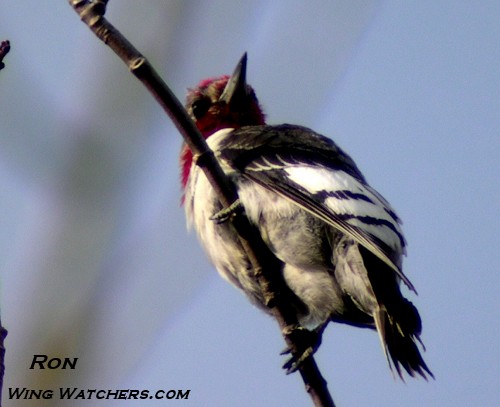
(95, 259)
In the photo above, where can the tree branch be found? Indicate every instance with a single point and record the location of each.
(265, 264)
(4, 50)
(3, 334)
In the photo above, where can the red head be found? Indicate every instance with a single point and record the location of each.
(221, 103)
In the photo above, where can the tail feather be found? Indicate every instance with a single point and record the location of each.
(397, 321)
(373, 288)
(400, 345)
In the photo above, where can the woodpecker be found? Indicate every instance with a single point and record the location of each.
(339, 242)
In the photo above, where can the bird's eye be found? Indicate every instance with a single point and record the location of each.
(200, 107)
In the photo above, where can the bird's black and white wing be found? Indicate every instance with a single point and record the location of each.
(313, 173)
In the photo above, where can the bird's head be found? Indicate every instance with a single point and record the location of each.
(221, 103)
(224, 102)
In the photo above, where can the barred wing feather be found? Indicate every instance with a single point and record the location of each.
(320, 178)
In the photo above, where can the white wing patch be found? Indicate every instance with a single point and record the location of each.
(354, 201)
(316, 179)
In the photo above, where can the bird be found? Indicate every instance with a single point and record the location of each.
(339, 242)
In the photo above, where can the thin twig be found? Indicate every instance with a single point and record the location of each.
(263, 261)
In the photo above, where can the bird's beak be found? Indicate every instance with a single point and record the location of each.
(235, 92)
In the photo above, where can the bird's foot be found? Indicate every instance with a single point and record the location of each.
(225, 214)
(305, 344)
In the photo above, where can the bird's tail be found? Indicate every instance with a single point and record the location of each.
(399, 334)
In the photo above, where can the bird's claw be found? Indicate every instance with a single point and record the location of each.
(227, 213)
(306, 343)
(293, 364)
